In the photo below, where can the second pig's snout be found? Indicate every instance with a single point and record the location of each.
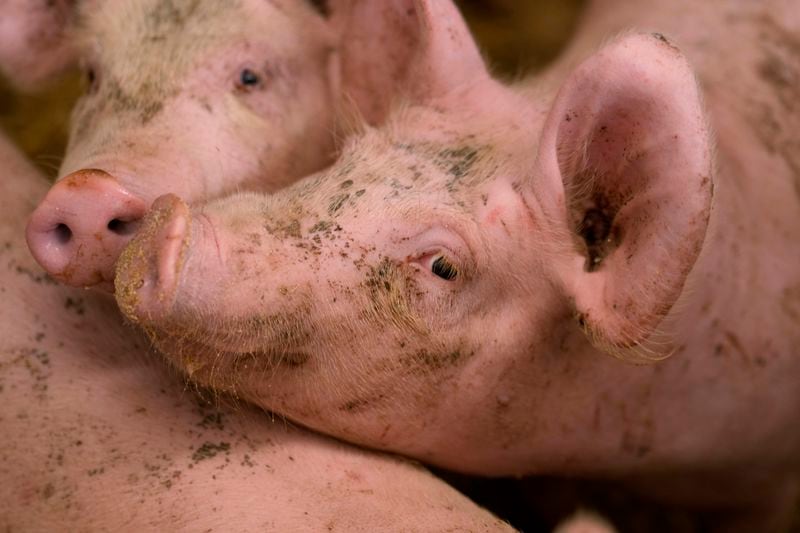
(149, 268)
(78, 231)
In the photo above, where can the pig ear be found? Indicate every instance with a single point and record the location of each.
(627, 143)
(34, 43)
(417, 50)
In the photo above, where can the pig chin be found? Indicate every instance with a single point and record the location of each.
(205, 359)
(226, 354)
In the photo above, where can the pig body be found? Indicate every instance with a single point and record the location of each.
(451, 289)
(97, 435)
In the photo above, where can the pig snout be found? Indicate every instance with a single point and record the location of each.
(78, 231)
(149, 268)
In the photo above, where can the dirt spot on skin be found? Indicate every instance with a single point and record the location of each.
(660, 37)
(772, 114)
(360, 405)
(48, 491)
(167, 15)
(337, 201)
(464, 162)
(322, 226)
(213, 420)
(146, 101)
(388, 291)
(427, 360)
(209, 450)
(780, 63)
(40, 278)
(76, 305)
(37, 364)
(458, 161)
(784, 80)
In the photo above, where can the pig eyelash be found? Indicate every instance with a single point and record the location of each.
(442, 267)
(439, 265)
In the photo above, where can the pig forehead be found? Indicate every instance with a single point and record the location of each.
(457, 165)
(177, 32)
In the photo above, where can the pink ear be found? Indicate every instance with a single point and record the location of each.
(403, 49)
(33, 40)
(627, 143)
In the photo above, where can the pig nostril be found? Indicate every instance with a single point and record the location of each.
(121, 227)
(62, 233)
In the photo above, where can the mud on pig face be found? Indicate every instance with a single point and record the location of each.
(384, 300)
(196, 98)
(358, 291)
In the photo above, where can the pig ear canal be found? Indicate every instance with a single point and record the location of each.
(402, 51)
(628, 136)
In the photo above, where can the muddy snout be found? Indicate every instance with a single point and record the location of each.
(149, 268)
(79, 230)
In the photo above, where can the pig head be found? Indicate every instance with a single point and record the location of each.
(445, 289)
(183, 96)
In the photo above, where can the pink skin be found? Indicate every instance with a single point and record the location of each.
(98, 436)
(33, 44)
(576, 211)
(195, 100)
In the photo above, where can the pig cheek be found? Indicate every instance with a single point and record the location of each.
(397, 371)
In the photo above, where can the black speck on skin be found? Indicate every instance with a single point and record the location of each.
(209, 450)
(336, 203)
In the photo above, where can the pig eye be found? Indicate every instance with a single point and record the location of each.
(248, 80)
(443, 268)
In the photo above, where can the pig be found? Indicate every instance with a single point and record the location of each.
(97, 435)
(474, 282)
(196, 98)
